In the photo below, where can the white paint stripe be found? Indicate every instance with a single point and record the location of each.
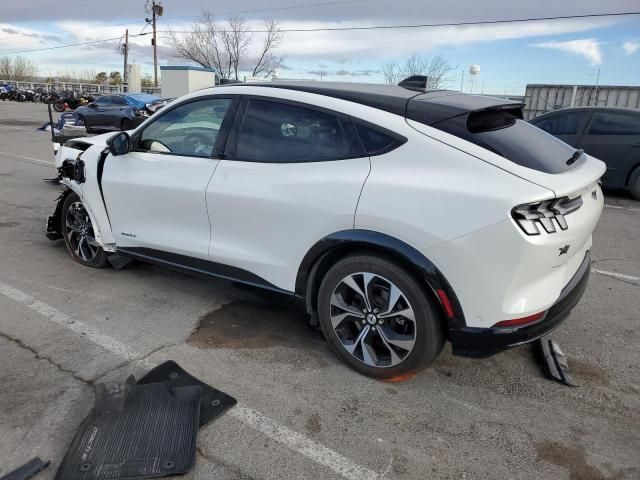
(616, 275)
(303, 445)
(618, 207)
(31, 159)
(295, 441)
(55, 315)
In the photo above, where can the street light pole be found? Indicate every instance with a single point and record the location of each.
(156, 11)
(125, 51)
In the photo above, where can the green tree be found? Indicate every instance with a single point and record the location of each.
(115, 78)
(102, 77)
(146, 81)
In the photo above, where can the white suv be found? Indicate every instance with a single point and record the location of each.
(396, 217)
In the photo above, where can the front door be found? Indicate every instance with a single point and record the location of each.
(614, 137)
(155, 195)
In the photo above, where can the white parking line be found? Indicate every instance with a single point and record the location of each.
(55, 315)
(618, 207)
(303, 445)
(297, 442)
(30, 159)
(617, 275)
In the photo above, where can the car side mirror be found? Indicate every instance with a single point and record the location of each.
(119, 144)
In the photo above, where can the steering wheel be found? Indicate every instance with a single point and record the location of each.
(197, 143)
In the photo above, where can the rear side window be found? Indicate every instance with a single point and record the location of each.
(375, 141)
(562, 123)
(614, 123)
(277, 132)
(518, 141)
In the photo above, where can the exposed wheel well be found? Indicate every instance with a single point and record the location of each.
(328, 259)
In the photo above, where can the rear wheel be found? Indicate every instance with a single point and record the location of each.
(79, 235)
(377, 318)
(59, 106)
(634, 183)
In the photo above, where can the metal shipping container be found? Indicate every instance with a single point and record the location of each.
(540, 99)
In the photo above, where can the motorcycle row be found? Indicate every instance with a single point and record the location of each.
(61, 100)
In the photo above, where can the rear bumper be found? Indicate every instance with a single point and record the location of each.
(484, 342)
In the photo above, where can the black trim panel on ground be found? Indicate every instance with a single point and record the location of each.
(484, 342)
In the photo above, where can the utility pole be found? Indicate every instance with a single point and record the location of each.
(156, 11)
(125, 52)
(462, 81)
(595, 100)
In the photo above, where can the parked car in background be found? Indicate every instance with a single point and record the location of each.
(608, 133)
(119, 111)
(396, 217)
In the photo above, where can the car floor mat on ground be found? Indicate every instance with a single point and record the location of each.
(135, 431)
(213, 402)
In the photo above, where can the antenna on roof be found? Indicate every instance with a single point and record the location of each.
(415, 82)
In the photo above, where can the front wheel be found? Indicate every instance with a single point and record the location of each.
(79, 235)
(59, 106)
(377, 318)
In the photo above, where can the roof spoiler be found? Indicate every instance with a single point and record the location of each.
(417, 83)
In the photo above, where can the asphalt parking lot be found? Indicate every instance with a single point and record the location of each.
(301, 413)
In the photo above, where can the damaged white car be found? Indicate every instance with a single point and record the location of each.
(397, 217)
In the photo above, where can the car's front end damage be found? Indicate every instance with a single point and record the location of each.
(79, 165)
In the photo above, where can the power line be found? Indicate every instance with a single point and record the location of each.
(371, 27)
(431, 25)
(71, 45)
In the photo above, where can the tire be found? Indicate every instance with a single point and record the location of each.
(59, 107)
(634, 183)
(77, 232)
(384, 347)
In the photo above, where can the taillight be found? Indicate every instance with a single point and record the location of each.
(519, 322)
(547, 214)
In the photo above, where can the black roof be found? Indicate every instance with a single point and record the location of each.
(428, 107)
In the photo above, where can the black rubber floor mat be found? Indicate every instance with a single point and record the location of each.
(213, 402)
(135, 431)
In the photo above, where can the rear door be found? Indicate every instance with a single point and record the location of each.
(567, 126)
(613, 136)
(93, 117)
(291, 175)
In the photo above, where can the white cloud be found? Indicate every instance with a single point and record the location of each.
(631, 47)
(588, 48)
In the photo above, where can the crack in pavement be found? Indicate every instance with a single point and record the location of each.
(49, 360)
(87, 381)
(628, 279)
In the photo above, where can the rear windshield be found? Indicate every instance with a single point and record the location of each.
(513, 139)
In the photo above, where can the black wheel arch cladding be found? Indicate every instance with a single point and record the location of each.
(333, 247)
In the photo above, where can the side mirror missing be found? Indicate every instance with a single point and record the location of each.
(119, 144)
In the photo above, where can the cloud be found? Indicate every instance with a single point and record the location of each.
(588, 48)
(631, 47)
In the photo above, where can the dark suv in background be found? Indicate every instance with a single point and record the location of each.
(609, 134)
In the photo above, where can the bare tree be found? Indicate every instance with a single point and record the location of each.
(17, 68)
(225, 47)
(437, 70)
(6, 67)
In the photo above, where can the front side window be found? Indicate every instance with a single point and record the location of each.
(281, 132)
(103, 101)
(562, 123)
(614, 123)
(117, 100)
(190, 129)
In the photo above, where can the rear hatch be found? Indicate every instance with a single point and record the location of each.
(492, 129)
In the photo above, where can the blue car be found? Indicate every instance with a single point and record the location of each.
(120, 111)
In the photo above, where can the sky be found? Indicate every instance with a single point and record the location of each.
(510, 55)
